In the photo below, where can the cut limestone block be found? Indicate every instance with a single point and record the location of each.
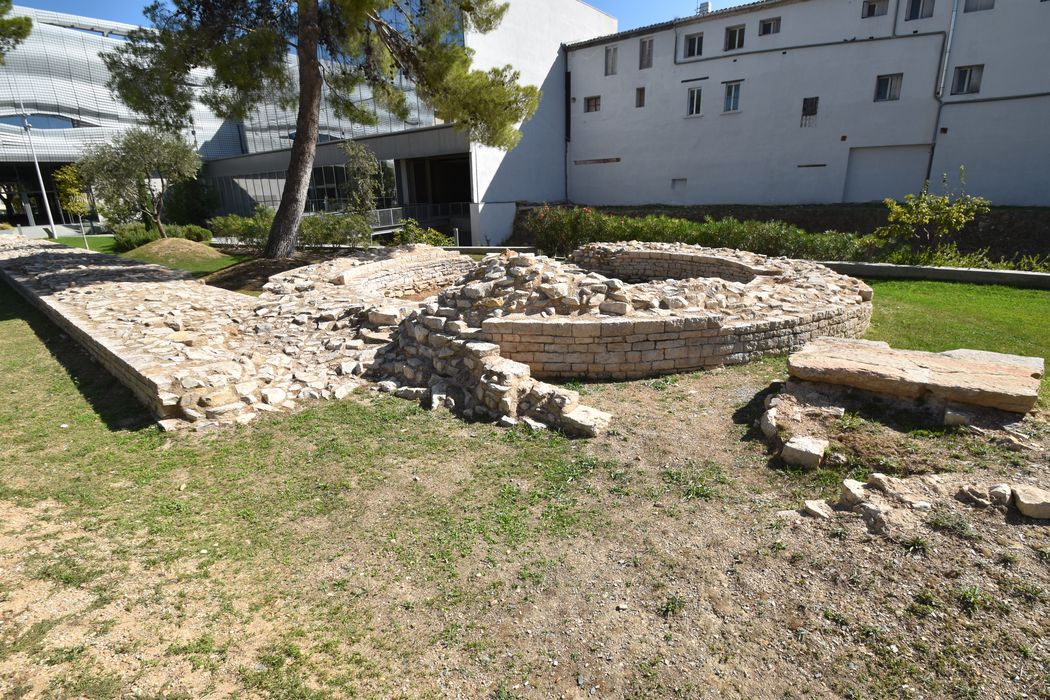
(803, 451)
(993, 380)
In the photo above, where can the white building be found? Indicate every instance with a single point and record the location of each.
(438, 166)
(815, 101)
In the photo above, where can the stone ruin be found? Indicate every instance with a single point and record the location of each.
(483, 344)
(432, 325)
(202, 356)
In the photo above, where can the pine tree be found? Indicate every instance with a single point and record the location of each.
(339, 44)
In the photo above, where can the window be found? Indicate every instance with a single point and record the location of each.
(732, 103)
(769, 26)
(592, 104)
(978, 5)
(639, 97)
(919, 9)
(694, 45)
(809, 110)
(693, 108)
(874, 8)
(610, 60)
(888, 87)
(645, 53)
(735, 37)
(967, 80)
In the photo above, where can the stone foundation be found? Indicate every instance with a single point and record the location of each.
(202, 356)
(551, 319)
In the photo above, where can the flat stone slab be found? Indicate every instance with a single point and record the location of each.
(974, 377)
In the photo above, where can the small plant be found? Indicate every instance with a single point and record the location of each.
(673, 605)
(971, 599)
(1008, 559)
(916, 545)
(953, 524)
(697, 481)
(836, 617)
(923, 220)
(924, 603)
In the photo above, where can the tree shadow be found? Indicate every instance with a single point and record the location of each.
(115, 405)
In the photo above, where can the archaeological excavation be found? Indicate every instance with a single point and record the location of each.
(433, 325)
(482, 338)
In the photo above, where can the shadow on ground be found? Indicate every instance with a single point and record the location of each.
(115, 405)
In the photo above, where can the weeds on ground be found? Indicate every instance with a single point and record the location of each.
(943, 520)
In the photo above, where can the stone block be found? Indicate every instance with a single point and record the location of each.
(804, 451)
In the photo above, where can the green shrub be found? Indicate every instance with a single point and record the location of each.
(250, 231)
(130, 236)
(923, 220)
(335, 229)
(411, 233)
(558, 231)
(190, 233)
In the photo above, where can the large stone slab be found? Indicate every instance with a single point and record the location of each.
(993, 380)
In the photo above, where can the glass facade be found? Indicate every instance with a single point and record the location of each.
(57, 77)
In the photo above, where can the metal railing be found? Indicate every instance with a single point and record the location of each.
(426, 214)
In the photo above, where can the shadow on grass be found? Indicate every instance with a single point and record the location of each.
(114, 404)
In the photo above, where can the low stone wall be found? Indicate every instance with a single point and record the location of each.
(201, 355)
(550, 319)
(629, 348)
(632, 265)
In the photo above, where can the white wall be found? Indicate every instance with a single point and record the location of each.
(824, 49)
(530, 39)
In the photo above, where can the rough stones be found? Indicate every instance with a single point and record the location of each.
(201, 355)
(804, 451)
(687, 307)
(1004, 382)
(1031, 501)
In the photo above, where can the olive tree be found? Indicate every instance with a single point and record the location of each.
(341, 45)
(130, 176)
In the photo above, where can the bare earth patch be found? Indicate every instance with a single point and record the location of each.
(369, 548)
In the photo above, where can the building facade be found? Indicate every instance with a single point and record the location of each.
(773, 102)
(815, 101)
(437, 168)
(58, 80)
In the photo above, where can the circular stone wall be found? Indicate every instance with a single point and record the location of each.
(699, 307)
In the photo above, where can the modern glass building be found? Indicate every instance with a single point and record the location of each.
(58, 81)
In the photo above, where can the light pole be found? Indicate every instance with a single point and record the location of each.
(40, 178)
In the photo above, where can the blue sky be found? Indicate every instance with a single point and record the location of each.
(631, 13)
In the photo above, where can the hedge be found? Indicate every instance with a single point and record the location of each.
(130, 236)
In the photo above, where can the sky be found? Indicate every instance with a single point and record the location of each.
(631, 13)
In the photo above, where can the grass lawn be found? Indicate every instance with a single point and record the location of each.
(100, 243)
(369, 548)
(195, 265)
(938, 316)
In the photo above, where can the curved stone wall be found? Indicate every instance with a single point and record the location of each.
(578, 321)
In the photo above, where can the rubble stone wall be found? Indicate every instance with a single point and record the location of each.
(203, 356)
(633, 265)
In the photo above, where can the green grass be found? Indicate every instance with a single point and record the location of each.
(937, 316)
(100, 243)
(198, 267)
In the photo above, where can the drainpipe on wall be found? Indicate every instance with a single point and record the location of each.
(939, 94)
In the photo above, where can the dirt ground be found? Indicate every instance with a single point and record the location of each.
(648, 563)
(251, 275)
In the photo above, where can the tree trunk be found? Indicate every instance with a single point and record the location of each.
(285, 228)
